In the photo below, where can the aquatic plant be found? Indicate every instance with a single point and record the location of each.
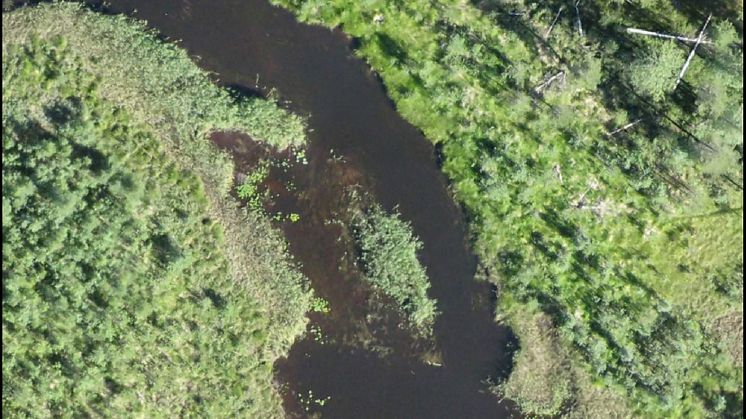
(388, 258)
(249, 189)
(320, 305)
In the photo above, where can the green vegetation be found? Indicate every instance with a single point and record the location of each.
(388, 257)
(547, 379)
(309, 400)
(249, 189)
(132, 283)
(595, 189)
(255, 194)
(320, 305)
(541, 382)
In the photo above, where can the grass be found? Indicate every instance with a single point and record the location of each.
(629, 242)
(541, 380)
(133, 283)
(388, 257)
(547, 379)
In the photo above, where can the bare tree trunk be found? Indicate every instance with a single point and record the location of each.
(624, 128)
(577, 15)
(692, 53)
(546, 35)
(663, 35)
(549, 81)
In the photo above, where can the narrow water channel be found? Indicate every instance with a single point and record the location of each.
(356, 138)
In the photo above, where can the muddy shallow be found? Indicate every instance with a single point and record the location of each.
(364, 363)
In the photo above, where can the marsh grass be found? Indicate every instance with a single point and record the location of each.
(387, 250)
(132, 281)
(629, 242)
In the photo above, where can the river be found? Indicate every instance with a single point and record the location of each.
(365, 367)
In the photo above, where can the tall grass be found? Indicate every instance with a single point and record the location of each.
(133, 283)
(388, 257)
(601, 231)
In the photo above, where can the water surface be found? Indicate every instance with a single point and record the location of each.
(367, 366)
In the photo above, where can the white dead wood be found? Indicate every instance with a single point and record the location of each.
(692, 53)
(577, 16)
(624, 128)
(665, 36)
(546, 35)
(549, 81)
(579, 202)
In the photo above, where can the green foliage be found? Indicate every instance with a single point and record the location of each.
(132, 285)
(567, 213)
(654, 74)
(174, 96)
(320, 305)
(250, 189)
(388, 254)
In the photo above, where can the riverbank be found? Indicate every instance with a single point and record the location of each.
(614, 250)
(355, 137)
(155, 292)
(571, 216)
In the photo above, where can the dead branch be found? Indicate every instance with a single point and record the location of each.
(549, 81)
(691, 54)
(579, 202)
(546, 35)
(624, 128)
(666, 36)
(577, 15)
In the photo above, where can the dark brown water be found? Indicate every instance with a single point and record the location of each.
(367, 366)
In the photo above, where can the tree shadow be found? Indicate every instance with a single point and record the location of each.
(239, 91)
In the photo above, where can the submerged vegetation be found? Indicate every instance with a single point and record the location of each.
(600, 188)
(132, 282)
(388, 257)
